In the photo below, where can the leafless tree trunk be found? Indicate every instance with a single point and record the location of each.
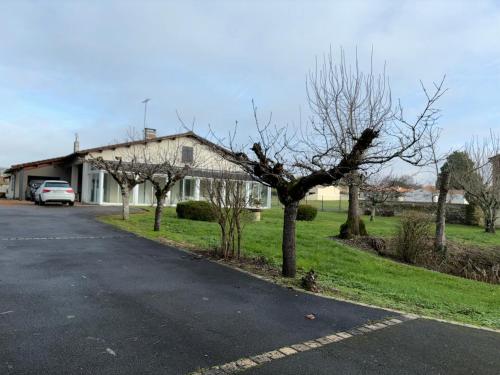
(289, 220)
(353, 216)
(160, 202)
(125, 203)
(444, 185)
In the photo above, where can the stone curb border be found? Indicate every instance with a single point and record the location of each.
(245, 363)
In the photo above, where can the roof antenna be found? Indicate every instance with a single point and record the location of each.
(145, 101)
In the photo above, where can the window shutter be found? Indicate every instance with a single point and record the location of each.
(187, 154)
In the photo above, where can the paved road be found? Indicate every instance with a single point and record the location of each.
(80, 297)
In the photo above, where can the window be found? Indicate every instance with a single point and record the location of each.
(146, 193)
(187, 155)
(189, 186)
(57, 184)
(205, 189)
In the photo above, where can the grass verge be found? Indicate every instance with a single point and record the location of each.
(344, 271)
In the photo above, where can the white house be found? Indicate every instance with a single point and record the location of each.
(94, 186)
(325, 193)
(428, 194)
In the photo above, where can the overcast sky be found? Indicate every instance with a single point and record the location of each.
(84, 67)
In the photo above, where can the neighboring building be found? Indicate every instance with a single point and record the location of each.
(4, 183)
(325, 193)
(428, 194)
(97, 187)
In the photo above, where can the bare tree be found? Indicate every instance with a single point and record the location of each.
(227, 198)
(481, 182)
(125, 168)
(377, 191)
(345, 102)
(443, 176)
(164, 166)
(354, 126)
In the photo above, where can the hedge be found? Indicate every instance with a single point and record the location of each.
(306, 212)
(195, 210)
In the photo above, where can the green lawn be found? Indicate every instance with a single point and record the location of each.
(355, 274)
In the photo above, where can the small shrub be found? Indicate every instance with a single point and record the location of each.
(195, 210)
(413, 234)
(473, 215)
(306, 212)
(345, 229)
(386, 212)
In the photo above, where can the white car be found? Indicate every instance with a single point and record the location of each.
(55, 191)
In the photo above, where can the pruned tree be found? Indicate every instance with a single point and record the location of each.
(481, 181)
(124, 165)
(163, 166)
(353, 126)
(124, 173)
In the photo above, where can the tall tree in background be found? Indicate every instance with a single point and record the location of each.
(481, 180)
(353, 126)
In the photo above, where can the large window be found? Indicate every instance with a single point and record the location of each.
(111, 188)
(146, 193)
(94, 187)
(188, 189)
(112, 192)
(205, 188)
(176, 193)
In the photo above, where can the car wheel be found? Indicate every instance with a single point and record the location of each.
(40, 202)
(71, 204)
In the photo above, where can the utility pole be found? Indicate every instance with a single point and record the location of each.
(145, 101)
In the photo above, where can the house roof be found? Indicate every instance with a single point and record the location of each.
(66, 158)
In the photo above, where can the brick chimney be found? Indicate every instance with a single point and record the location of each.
(149, 133)
(76, 144)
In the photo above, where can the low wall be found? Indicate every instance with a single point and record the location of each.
(455, 213)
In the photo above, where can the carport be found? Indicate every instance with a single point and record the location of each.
(67, 168)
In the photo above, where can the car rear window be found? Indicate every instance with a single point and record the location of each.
(57, 184)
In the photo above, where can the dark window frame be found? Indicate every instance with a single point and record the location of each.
(187, 155)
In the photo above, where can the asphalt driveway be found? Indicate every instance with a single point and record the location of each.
(80, 297)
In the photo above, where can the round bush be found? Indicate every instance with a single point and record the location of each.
(306, 212)
(195, 210)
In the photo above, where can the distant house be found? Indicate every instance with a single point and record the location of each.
(93, 186)
(326, 193)
(428, 194)
(4, 183)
